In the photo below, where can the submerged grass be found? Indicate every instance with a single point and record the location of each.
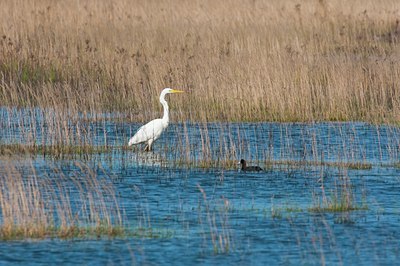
(269, 165)
(71, 232)
(302, 163)
(81, 232)
(151, 233)
(56, 151)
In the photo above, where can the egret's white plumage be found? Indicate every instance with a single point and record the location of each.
(152, 130)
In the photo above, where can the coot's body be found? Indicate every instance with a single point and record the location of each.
(249, 168)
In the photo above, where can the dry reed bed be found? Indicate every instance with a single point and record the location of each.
(238, 60)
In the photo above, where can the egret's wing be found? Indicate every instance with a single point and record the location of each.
(139, 137)
(151, 130)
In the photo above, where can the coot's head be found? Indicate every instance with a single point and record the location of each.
(243, 163)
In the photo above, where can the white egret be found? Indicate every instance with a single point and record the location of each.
(152, 130)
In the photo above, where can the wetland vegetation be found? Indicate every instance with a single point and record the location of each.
(254, 61)
(307, 90)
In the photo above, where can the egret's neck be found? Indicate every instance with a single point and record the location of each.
(164, 103)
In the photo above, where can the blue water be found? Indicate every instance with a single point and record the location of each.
(264, 218)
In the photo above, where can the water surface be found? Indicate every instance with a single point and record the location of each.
(220, 214)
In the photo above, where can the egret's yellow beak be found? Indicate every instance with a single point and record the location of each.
(176, 91)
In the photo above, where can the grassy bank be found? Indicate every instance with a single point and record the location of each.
(238, 60)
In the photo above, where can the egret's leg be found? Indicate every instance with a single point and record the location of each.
(151, 144)
(148, 146)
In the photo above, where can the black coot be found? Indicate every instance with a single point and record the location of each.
(249, 168)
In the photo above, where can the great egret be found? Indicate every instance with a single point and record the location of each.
(152, 130)
(249, 168)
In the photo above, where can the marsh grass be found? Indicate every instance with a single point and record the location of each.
(253, 61)
(51, 204)
(338, 197)
(217, 228)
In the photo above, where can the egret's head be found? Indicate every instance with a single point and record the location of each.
(165, 92)
(169, 90)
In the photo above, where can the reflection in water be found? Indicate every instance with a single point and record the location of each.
(147, 159)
